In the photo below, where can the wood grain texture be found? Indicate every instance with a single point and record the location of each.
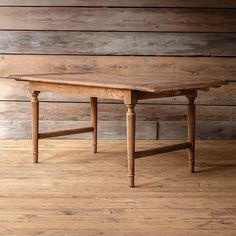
(151, 84)
(137, 66)
(130, 134)
(118, 19)
(161, 150)
(70, 178)
(50, 111)
(191, 119)
(139, 232)
(124, 3)
(35, 125)
(216, 96)
(140, 66)
(65, 132)
(118, 43)
(149, 15)
(94, 119)
(117, 130)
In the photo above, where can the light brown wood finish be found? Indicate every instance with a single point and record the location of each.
(191, 130)
(93, 101)
(119, 86)
(130, 126)
(159, 150)
(65, 132)
(35, 124)
(128, 89)
(75, 192)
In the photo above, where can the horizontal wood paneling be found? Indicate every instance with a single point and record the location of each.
(118, 43)
(166, 28)
(124, 3)
(117, 129)
(21, 111)
(118, 19)
(140, 66)
(164, 122)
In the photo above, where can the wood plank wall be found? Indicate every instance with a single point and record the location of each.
(140, 37)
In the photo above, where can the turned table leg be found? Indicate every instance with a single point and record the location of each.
(93, 101)
(35, 124)
(191, 131)
(130, 120)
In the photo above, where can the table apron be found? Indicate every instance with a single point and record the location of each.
(128, 96)
(77, 90)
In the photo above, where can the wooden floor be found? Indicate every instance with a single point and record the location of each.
(75, 192)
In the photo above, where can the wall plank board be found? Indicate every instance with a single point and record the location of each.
(21, 111)
(117, 129)
(139, 66)
(124, 3)
(118, 19)
(118, 43)
(166, 122)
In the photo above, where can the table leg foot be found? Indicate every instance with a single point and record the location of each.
(131, 181)
(192, 167)
(35, 158)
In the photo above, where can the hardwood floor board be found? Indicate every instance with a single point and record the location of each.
(120, 232)
(227, 204)
(134, 223)
(75, 192)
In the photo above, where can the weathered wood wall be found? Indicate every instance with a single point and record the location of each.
(141, 37)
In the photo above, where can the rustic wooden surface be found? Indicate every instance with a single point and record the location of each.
(94, 121)
(118, 43)
(56, 197)
(118, 19)
(213, 121)
(126, 88)
(155, 84)
(57, 111)
(35, 124)
(138, 66)
(208, 25)
(117, 129)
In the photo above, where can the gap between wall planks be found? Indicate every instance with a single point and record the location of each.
(182, 22)
(124, 3)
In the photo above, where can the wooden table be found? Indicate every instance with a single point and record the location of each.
(130, 89)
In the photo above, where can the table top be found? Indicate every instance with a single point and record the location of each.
(159, 83)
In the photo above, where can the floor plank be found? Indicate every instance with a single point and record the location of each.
(75, 192)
